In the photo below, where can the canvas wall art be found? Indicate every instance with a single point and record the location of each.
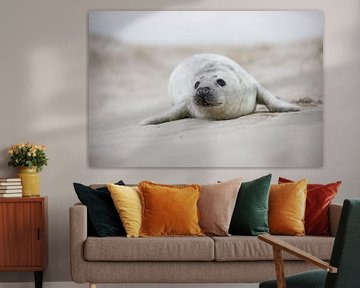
(205, 89)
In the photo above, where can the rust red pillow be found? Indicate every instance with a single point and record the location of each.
(319, 197)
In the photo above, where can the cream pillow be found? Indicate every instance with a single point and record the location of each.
(127, 201)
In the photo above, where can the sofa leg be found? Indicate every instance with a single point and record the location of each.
(92, 285)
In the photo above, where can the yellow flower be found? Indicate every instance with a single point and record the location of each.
(27, 153)
(13, 149)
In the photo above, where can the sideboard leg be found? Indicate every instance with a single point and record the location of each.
(92, 285)
(38, 279)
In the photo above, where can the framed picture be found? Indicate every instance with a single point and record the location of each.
(205, 89)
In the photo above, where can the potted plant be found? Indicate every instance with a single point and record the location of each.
(30, 158)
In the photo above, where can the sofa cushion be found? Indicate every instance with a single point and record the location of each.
(318, 199)
(244, 248)
(102, 216)
(127, 201)
(250, 215)
(287, 204)
(149, 249)
(169, 210)
(216, 205)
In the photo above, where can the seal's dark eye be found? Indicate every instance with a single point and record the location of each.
(197, 84)
(221, 82)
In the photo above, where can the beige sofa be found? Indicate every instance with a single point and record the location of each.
(234, 259)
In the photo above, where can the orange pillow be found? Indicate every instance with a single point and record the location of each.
(169, 210)
(318, 200)
(287, 204)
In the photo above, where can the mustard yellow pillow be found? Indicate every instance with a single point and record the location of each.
(127, 201)
(287, 204)
(169, 210)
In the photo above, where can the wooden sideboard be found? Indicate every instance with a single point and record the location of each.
(23, 235)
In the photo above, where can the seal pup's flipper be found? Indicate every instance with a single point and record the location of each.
(177, 112)
(271, 102)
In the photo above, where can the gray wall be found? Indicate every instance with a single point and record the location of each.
(43, 99)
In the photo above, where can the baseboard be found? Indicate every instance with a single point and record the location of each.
(74, 285)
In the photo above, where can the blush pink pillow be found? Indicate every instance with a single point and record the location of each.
(216, 206)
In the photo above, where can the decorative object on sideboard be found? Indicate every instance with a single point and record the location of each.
(10, 187)
(30, 158)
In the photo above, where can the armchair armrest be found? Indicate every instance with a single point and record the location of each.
(284, 246)
(279, 246)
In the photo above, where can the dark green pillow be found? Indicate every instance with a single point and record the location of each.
(103, 218)
(250, 216)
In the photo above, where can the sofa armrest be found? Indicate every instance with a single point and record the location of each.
(334, 217)
(78, 235)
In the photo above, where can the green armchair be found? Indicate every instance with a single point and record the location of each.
(344, 268)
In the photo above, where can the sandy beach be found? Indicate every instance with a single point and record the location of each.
(127, 84)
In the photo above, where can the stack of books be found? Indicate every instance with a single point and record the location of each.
(10, 187)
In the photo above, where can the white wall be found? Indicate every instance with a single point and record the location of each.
(43, 60)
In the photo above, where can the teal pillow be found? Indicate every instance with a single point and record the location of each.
(250, 216)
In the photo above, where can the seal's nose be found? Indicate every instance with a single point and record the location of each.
(203, 91)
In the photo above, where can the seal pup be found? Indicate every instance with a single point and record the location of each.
(212, 86)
